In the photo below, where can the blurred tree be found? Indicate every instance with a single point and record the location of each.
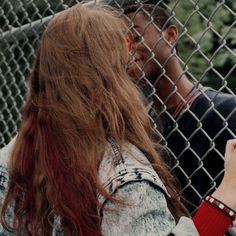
(207, 45)
(207, 41)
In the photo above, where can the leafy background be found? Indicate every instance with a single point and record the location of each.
(211, 24)
(207, 46)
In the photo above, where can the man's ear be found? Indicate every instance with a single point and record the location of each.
(171, 34)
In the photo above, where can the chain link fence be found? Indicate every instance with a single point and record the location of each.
(196, 128)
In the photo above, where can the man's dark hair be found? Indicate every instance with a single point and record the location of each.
(162, 18)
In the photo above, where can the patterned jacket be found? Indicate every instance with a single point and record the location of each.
(127, 174)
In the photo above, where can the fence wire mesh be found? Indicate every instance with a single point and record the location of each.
(196, 129)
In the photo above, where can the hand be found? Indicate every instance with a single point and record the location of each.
(226, 192)
(230, 163)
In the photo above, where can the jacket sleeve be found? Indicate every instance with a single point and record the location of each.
(146, 213)
(5, 154)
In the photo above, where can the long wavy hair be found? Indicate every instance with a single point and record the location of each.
(79, 95)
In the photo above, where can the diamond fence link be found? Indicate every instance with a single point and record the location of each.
(195, 129)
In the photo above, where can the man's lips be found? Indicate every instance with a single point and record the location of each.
(135, 67)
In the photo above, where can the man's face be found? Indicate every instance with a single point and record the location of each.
(149, 48)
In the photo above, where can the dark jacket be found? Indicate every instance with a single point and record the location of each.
(196, 138)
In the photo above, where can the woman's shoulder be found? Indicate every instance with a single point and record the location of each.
(126, 164)
(5, 152)
(5, 155)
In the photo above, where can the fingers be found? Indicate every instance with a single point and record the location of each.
(230, 148)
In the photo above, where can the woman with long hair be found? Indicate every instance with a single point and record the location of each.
(83, 162)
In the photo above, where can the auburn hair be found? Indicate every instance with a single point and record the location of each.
(79, 95)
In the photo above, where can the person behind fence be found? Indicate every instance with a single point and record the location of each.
(196, 121)
(83, 162)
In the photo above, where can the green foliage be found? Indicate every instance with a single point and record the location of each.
(207, 40)
(207, 46)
